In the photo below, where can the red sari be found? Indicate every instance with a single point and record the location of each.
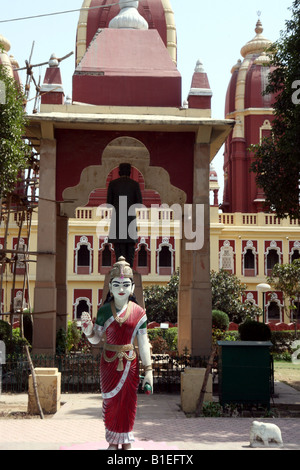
(119, 387)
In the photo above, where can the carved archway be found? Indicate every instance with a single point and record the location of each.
(121, 150)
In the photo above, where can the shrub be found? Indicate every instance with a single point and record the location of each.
(16, 344)
(61, 341)
(227, 292)
(282, 342)
(4, 331)
(212, 409)
(161, 301)
(220, 320)
(169, 335)
(13, 341)
(159, 345)
(73, 336)
(252, 330)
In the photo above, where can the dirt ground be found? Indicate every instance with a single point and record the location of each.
(288, 373)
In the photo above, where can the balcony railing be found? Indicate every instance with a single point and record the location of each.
(259, 219)
(143, 215)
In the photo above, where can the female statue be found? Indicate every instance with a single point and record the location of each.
(121, 320)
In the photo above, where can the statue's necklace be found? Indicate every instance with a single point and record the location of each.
(119, 319)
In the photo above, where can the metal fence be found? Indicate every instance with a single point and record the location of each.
(80, 373)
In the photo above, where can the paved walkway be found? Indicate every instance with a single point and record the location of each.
(159, 419)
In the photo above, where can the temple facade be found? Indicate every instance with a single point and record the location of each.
(245, 239)
(127, 107)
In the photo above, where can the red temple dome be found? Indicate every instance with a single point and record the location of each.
(250, 76)
(126, 55)
(97, 14)
(253, 114)
(213, 175)
(8, 61)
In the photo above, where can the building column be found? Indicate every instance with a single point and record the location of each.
(239, 176)
(194, 303)
(61, 272)
(44, 328)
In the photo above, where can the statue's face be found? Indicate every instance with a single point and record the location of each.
(121, 289)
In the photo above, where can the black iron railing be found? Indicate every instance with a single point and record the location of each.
(80, 373)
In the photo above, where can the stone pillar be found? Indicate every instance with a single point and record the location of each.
(216, 197)
(44, 328)
(194, 305)
(49, 387)
(61, 272)
(239, 176)
(184, 301)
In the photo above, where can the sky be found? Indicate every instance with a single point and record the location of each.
(213, 32)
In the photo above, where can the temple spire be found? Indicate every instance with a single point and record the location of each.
(259, 43)
(128, 17)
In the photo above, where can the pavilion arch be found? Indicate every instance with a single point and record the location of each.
(121, 150)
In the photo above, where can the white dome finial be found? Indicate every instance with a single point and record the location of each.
(53, 62)
(129, 17)
(199, 67)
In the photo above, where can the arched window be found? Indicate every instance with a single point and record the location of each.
(106, 256)
(295, 313)
(82, 304)
(83, 256)
(165, 257)
(274, 309)
(249, 259)
(142, 257)
(227, 257)
(295, 252)
(20, 265)
(272, 257)
(81, 307)
(273, 312)
(19, 302)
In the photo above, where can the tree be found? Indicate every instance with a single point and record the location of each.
(286, 278)
(276, 160)
(161, 301)
(227, 295)
(14, 152)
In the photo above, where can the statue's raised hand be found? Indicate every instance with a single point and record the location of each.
(86, 323)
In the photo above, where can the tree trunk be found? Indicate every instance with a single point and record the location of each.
(35, 388)
(199, 406)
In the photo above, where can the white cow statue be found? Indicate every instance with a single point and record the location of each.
(265, 434)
